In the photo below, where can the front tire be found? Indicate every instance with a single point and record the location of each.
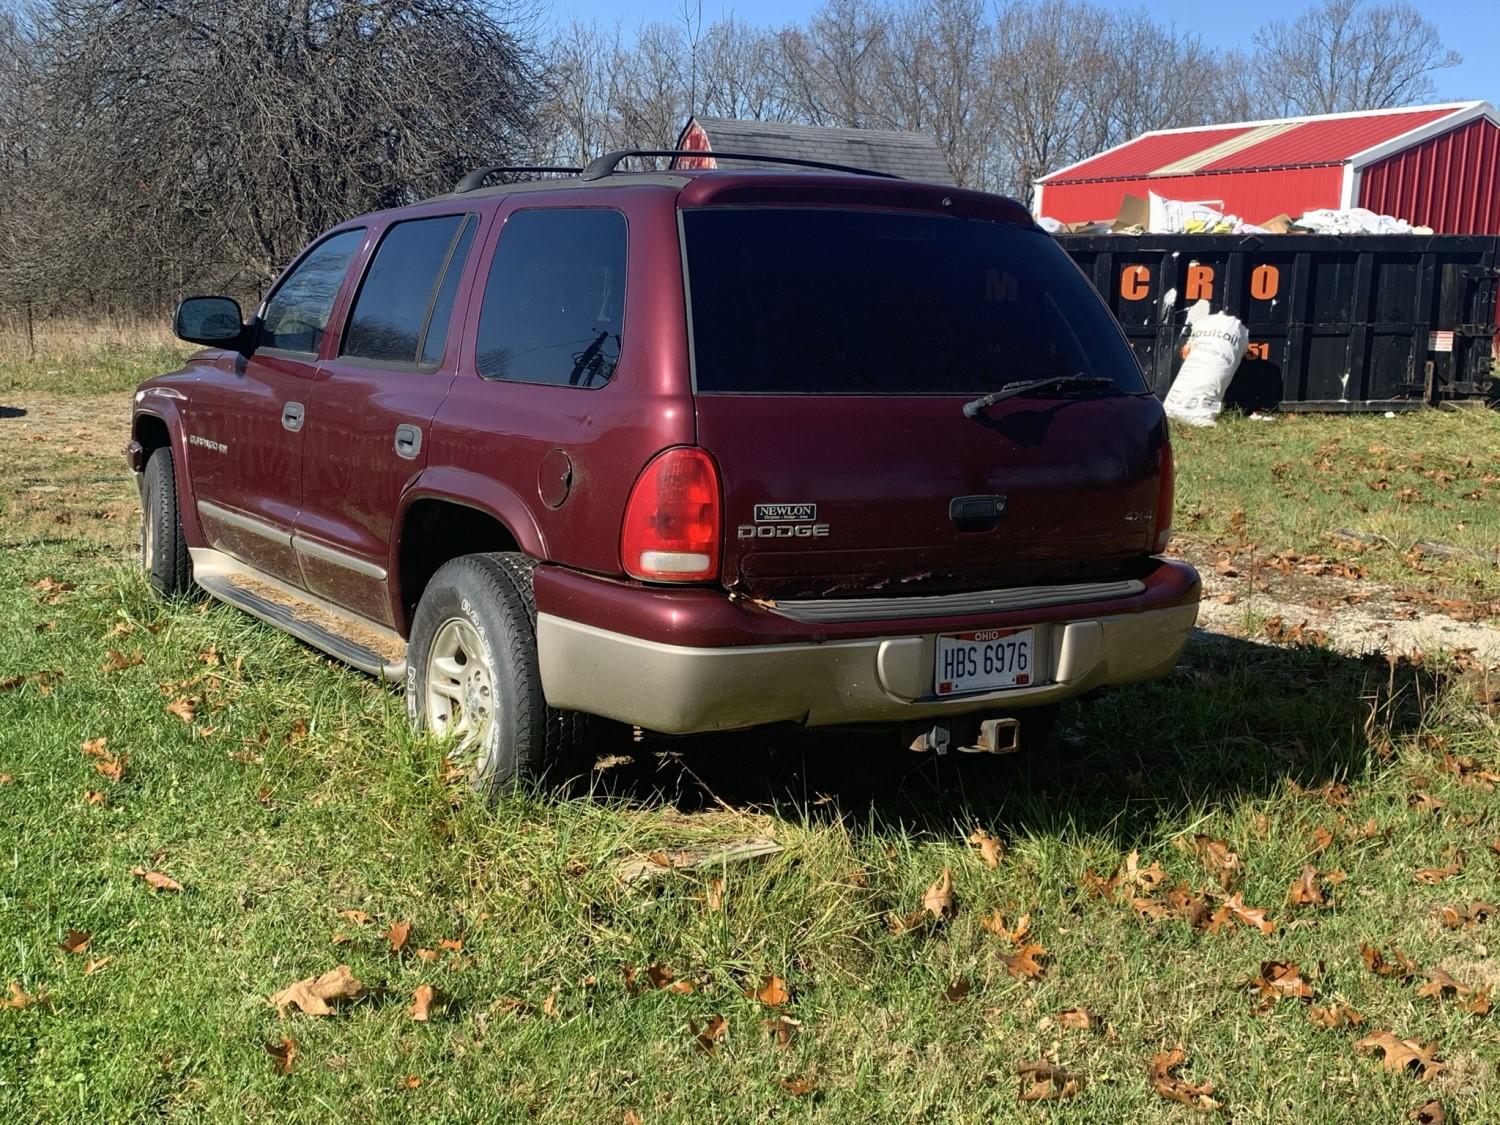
(472, 676)
(164, 551)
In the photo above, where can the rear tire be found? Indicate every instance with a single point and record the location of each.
(164, 552)
(472, 675)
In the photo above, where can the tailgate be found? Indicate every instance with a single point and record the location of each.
(828, 496)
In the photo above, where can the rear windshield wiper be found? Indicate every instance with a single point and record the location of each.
(972, 409)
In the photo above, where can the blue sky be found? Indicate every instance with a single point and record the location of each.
(1471, 27)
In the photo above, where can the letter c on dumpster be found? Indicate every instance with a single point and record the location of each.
(1135, 283)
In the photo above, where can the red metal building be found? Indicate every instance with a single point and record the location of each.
(1436, 166)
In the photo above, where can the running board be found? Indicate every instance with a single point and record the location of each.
(369, 647)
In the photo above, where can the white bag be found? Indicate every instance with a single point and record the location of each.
(1216, 344)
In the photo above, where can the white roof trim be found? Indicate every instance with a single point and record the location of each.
(1471, 111)
(1476, 108)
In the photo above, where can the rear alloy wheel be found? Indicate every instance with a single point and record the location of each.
(164, 552)
(460, 688)
(472, 677)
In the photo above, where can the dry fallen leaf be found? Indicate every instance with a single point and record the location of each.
(1077, 1019)
(1147, 878)
(991, 850)
(1219, 860)
(1043, 1082)
(996, 924)
(156, 880)
(95, 965)
(1159, 1074)
(1234, 906)
(772, 992)
(359, 917)
(94, 796)
(20, 998)
(313, 994)
(1305, 890)
(783, 1028)
(1476, 912)
(1335, 1016)
(184, 709)
(1098, 886)
(411, 1082)
(421, 1003)
(76, 941)
(631, 1118)
(1322, 839)
(452, 945)
(710, 1034)
(1023, 962)
(282, 1055)
(937, 900)
(801, 1086)
(1431, 876)
(1400, 965)
(113, 766)
(1400, 1054)
(1280, 979)
(663, 978)
(116, 661)
(713, 896)
(397, 935)
(1432, 1113)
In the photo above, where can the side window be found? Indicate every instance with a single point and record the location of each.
(401, 293)
(297, 313)
(555, 299)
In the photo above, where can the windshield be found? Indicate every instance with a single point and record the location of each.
(866, 302)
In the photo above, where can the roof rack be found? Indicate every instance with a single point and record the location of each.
(477, 177)
(602, 166)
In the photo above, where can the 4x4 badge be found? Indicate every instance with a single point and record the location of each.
(785, 513)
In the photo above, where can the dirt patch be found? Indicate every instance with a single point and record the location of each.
(66, 476)
(1352, 615)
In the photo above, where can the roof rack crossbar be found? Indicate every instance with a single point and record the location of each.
(477, 177)
(602, 166)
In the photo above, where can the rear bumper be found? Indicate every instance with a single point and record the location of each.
(821, 680)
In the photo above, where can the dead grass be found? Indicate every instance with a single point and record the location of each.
(85, 356)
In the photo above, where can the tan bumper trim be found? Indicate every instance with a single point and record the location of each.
(679, 689)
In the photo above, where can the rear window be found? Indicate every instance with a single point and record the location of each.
(847, 302)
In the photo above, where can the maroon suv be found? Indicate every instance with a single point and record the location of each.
(689, 450)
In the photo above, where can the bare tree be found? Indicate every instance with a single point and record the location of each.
(1349, 55)
(202, 142)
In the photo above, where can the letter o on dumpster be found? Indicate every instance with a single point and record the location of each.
(1265, 282)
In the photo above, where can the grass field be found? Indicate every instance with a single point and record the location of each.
(281, 791)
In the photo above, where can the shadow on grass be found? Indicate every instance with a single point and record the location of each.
(12, 412)
(1235, 722)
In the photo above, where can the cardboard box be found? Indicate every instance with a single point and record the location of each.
(1134, 216)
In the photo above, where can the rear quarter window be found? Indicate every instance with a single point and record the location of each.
(554, 303)
(854, 302)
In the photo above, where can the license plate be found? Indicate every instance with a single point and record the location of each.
(983, 660)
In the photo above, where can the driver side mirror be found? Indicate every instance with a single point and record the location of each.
(214, 321)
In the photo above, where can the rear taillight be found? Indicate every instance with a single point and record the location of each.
(671, 530)
(1166, 485)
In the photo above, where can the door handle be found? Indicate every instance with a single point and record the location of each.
(408, 440)
(976, 513)
(292, 415)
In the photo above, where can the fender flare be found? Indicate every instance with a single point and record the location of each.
(165, 410)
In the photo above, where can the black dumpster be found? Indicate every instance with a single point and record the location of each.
(1337, 323)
